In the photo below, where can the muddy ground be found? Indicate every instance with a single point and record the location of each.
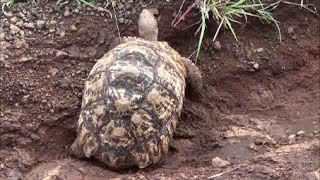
(251, 122)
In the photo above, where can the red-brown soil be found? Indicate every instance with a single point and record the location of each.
(245, 116)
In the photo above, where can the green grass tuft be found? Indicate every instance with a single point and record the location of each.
(227, 13)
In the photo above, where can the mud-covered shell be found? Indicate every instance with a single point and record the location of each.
(131, 103)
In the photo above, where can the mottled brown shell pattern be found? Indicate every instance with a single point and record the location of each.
(131, 103)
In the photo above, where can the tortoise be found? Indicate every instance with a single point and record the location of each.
(132, 100)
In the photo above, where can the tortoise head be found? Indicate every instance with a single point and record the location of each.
(148, 25)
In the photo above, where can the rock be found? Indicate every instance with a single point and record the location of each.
(292, 138)
(53, 22)
(19, 23)
(30, 16)
(2, 36)
(34, 12)
(53, 71)
(256, 65)
(67, 13)
(120, 6)
(217, 45)
(76, 11)
(41, 24)
(300, 133)
(121, 20)
(61, 53)
(259, 50)
(14, 19)
(4, 45)
(218, 162)
(64, 83)
(29, 25)
(14, 29)
(73, 28)
(128, 6)
(290, 30)
(62, 34)
(19, 44)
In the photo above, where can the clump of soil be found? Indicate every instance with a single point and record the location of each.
(258, 115)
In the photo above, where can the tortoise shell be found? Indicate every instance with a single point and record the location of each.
(131, 103)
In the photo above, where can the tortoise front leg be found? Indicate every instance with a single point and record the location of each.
(193, 78)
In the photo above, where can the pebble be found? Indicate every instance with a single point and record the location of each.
(53, 22)
(14, 29)
(4, 45)
(259, 50)
(76, 11)
(30, 16)
(73, 28)
(67, 13)
(256, 65)
(290, 30)
(65, 82)
(29, 25)
(62, 33)
(19, 23)
(121, 20)
(41, 24)
(217, 45)
(218, 162)
(53, 71)
(120, 6)
(19, 44)
(292, 138)
(128, 6)
(300, 133)
(2, 36)
(14, 19)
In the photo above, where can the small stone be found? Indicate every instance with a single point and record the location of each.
(62, 33)
(53, 71)
(292, 138)
(4, 45)
(259, 50)
(256, 65)
(19, 23)
(121, 20)
(67, 13)
(65, 82)
(2, 36)
(300, 133)
(290, 30)
(14, 29)
(25, 98)
(34, 11)
(19, 44)
(30, 16)
(218, 162)
(41, 24)
(128, 6)
(120, 6)
(76, 11)
(73, 28)
(217, 45)
(53, 22)
(61, 53)
(29, 25)
(14, 19)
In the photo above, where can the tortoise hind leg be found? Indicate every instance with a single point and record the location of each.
(193, 79)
